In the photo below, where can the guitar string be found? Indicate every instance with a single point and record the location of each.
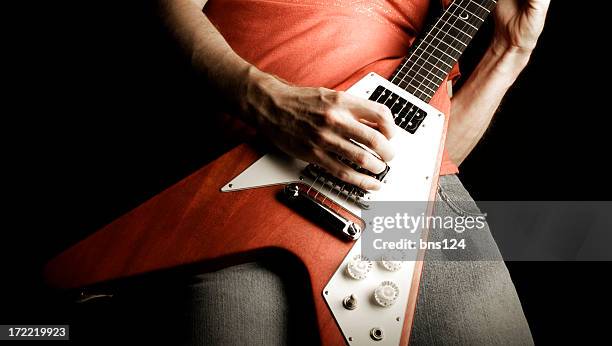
(450, 11)
(378, 101)
(417, 88)
(462, 25)
(428, 73)
(330, 190)
(353, 189)
(424, 50)
(407, 60)
(455, 24)
(420, 67)
(333, 185)
(315, 181)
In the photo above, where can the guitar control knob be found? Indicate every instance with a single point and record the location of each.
(392, 266)
(386, 294)
(358, 267)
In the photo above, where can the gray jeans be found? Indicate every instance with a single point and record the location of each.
(461, 301)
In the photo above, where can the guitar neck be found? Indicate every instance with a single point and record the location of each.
(433, 55)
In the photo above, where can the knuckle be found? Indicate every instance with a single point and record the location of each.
(384, 111)
(374, 141)
(322, 91)
(331, 118)
(362, 183)
(328, 141)
(335, 97)
(339, 96)
(343, 174)
(328, 97)
(317, 137)
(317, 156)
(319, 120)
(361, 158)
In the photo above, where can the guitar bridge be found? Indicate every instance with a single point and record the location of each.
(323, 210)
(315, 202)
(350, 191)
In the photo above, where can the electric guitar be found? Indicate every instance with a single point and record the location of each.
(243, 205)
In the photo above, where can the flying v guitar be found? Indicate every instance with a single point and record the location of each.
(242, 205)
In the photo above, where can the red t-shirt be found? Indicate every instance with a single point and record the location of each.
(325, 43)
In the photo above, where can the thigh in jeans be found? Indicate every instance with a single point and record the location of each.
(263, 303)
(464, 299)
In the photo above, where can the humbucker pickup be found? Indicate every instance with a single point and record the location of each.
(407, 115)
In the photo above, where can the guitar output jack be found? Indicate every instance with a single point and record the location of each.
(377, 334)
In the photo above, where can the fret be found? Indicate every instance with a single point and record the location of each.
(435, 31)
(420, 94)
(472, 8)
(484, 8)
(427, 65)
(435, 51)
(452, 25)
(430, 50)
(421, 84)
(418, 58)
(415, 82)
(413, 76)
(432, 56)
(456, 49)
(417, 76)
(464, 21)
(479, 8)
(438, 48)
(430, 63)
(424, 76)
(458, 24)
(487, 6)
(448, 31)
(457, 14)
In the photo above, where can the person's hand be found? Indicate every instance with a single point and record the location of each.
(315, 125)
(518, 24)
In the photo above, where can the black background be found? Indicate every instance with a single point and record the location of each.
(103, 113)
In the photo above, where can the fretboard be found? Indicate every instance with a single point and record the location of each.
(433, 55)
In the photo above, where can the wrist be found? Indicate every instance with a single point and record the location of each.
(507, 60)
(257, 92)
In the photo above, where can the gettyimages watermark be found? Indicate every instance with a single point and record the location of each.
(488, 231)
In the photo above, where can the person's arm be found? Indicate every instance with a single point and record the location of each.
(518, 24)
(313, 124)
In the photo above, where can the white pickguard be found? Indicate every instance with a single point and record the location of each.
(410, 179)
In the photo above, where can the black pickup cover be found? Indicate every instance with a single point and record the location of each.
(407, 115)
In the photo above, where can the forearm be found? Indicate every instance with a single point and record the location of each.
(213, 59)
(476, 102)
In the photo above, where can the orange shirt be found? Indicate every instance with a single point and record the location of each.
(328, 43)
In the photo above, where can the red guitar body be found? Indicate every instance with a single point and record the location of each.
(193, 223)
